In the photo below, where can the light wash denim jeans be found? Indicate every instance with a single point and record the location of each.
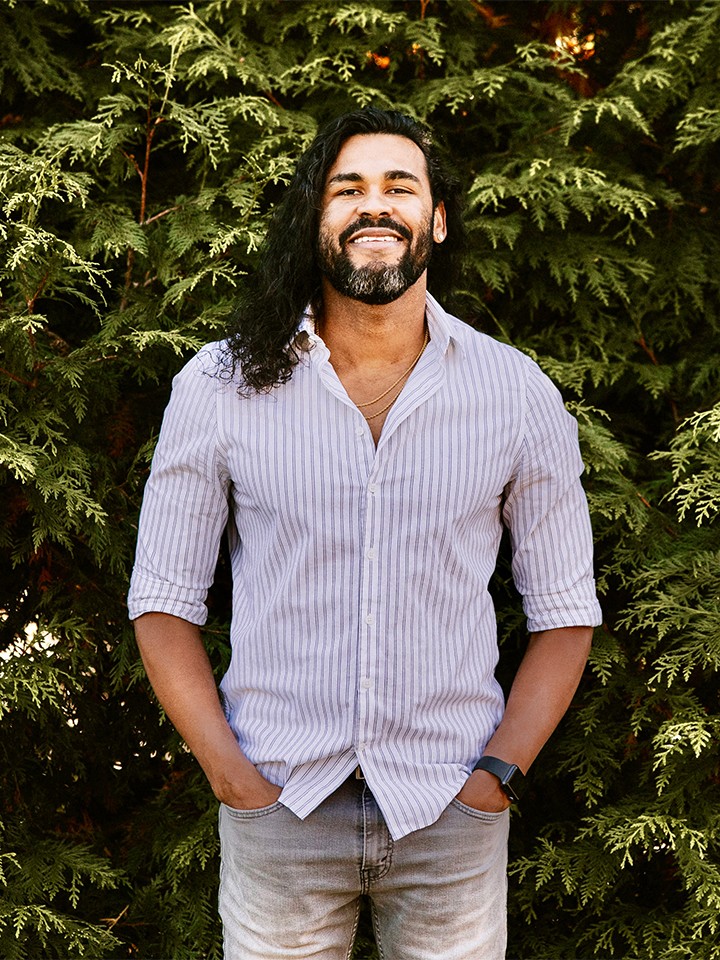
(290, 888)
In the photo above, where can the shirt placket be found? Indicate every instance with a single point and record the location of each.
(427, 379)
(367, 613)
(369, 609)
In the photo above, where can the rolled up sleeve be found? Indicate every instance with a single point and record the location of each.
(185, 505)
(546, 513)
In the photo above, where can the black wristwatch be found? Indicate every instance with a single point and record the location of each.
(511, 777)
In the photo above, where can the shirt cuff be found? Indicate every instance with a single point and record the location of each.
(542, 614)
(148, 595)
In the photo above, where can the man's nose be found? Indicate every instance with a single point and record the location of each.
(374, 203)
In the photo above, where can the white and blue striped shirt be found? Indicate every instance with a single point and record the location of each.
(362, 628)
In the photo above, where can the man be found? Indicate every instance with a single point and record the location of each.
(364, 455)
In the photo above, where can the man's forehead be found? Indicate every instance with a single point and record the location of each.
(369, 155)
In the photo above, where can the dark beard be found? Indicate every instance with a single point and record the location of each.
(376, 283)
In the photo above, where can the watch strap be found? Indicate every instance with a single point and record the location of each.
(511, 777)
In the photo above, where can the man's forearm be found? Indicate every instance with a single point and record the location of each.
(543, 688)
(178, 668)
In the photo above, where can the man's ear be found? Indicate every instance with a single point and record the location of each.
(439, 225)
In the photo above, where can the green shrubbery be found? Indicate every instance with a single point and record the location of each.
(141, 149)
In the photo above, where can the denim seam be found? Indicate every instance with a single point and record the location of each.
(252, 814)
(370, 875)
(349, 953)
(388, 862)
(485, 816)
(376, 931)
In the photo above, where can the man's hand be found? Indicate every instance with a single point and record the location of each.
(179, 671)
(241, 786)
(482, 791)
(249, 798)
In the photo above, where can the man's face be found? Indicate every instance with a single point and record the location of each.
(377, 223)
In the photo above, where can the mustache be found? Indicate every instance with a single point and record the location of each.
(362, 223)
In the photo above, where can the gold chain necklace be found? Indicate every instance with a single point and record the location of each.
(392, 386)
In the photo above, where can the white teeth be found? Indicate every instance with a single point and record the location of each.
(376, 240)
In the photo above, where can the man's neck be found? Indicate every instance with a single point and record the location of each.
(358, 334)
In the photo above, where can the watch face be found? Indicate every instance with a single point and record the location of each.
(513, 783)
(508, 789)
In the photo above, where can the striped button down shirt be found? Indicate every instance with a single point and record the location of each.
(362, 627)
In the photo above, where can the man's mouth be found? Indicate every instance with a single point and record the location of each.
(381, 234)
(380, 239)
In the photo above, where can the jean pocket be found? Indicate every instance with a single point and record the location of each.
(489, 816)
(236, 814)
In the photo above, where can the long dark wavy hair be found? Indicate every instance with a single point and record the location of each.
(259, 339)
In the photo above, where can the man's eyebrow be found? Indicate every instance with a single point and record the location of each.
(358, 178)
(345, 178)
(401, 175)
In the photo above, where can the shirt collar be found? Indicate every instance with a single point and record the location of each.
(306, 339)
(443, 328)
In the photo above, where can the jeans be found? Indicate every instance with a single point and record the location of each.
(291, 887)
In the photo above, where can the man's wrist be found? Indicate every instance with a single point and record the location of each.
(481, 791)
(510, 777)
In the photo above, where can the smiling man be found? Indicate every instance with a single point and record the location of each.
(363, 451)
(406, 252)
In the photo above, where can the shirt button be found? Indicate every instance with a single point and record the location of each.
(366, 683)
(359, 431)
(372, 488)
(372, 553)
(370, 619)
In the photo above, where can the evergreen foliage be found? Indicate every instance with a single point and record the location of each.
(142, 146)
